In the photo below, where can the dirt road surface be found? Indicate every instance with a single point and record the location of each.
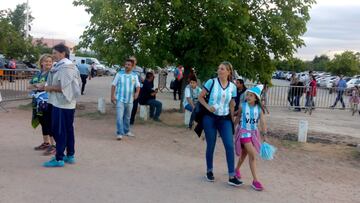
(166, 163)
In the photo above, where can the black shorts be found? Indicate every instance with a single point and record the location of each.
(45, 121)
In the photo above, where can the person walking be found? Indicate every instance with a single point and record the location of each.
(340, 88)
(84, 70)
(93, 69)
(178, 75)
(139, 72)
(247, 136)
(220, 107)
(311, 94)
(291, 94)
(298, 92)
(63, 86)
(41, 108)
(240, 96)
(127, 87)
(148, 97)
(11, 65)
(192, 91)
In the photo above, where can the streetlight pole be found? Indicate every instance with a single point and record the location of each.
(27, 20)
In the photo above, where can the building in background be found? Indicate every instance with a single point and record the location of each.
(52, 42)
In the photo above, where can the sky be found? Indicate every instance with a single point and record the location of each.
(334, 26)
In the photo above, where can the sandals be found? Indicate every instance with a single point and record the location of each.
(51, 150)
(43, 146)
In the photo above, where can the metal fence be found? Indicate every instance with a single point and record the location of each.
(283, 96)
(14, 83)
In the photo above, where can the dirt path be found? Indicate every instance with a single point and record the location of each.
(163, 163)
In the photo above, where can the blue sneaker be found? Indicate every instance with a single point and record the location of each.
(69, 159)
(54, 163)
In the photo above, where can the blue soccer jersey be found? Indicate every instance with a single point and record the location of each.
(249, 118)
(125, 86)
(220, 97)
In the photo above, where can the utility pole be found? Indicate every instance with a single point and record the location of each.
(27, 20)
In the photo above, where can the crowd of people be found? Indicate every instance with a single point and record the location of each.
(308, 87)
(221, 105)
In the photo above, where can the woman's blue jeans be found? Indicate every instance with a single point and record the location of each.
(212, 125)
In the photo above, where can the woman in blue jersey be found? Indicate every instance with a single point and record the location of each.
(221, 93)
(247, 136)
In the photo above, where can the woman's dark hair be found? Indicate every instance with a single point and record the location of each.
(193, 79)
(149, 75)
(258, 102)
(62, 49)
(241, 81)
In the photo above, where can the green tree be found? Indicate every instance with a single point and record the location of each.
(12, 42)
(17, 18)
(199, 33)
(320, 63)
(292, 64)
(347, 63)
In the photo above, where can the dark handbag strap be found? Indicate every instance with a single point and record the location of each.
(210, 90)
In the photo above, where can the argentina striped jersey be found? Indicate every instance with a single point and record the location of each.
(220, 97)
(249, 118)
(125, 86)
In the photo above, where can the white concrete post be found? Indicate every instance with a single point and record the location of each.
(101, 105)
(303, 130)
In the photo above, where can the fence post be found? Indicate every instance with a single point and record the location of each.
(101, 105)
(302, 132)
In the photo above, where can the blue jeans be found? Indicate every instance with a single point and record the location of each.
(339, 98)
(155, 108)
(188, 107)
(214, 124)
(192, 118)
(123, 115)
(297, 103)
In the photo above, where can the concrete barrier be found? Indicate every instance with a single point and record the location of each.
(144, 112)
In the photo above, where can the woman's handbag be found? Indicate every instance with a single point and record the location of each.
(172, 84)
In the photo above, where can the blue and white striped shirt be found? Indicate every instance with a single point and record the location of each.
(249, 118)
(220, 97)
(125, 86)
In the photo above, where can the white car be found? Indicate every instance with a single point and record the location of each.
(353, 82)
(325, 81)
(330, 82)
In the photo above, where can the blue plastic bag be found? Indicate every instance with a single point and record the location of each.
(267, 151)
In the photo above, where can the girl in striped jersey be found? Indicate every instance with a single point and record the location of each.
(247, 138)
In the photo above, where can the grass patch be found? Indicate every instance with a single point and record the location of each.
(92, 115)
(290, 144)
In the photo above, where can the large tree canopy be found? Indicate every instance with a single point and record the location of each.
(199, 33)
(347, 63)
(12, 33)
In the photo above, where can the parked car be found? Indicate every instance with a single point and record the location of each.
(100, 68)
(110, 71)
(353, 82)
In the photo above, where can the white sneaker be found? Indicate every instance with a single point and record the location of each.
(119, 137)
(130, 134)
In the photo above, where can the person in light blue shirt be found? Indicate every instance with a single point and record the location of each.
(125, 89)
(341, 87)
(192, 92)
(84, 70)
(220, 106)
